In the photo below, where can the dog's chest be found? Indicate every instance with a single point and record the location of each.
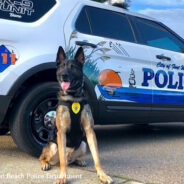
(75, 133)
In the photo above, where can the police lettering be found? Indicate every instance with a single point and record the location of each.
(167, 79)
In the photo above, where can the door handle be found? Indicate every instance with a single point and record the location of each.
(84, 43)
(162, 57)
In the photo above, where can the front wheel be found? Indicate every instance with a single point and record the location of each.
(33, 122)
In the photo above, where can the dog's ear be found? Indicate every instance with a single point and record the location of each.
(60, 55)
(79, 56)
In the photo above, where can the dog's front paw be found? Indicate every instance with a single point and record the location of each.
(46, 166)
(105, 179)
(62, 180)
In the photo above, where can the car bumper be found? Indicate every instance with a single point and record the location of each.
(4, 104)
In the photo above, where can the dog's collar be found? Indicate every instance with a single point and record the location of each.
(69, 102)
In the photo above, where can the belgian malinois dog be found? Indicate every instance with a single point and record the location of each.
(73, 120)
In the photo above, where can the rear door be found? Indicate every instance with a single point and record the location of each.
(167, 53)
(116, 66)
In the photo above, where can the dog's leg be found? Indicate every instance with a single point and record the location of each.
(77, 154)
(62, 123)
(61, 138)
(48, 152)
(88, 123)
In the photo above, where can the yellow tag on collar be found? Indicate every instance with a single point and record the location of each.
(76, 107)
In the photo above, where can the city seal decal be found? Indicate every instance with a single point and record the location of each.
(8, 56)
(76, 107)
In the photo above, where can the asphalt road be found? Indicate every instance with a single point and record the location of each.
(149, 154)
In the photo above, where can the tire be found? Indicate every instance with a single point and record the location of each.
(30, 127)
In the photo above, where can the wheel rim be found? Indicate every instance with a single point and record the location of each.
(43, 120)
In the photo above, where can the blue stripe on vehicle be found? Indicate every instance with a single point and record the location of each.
(142, 95)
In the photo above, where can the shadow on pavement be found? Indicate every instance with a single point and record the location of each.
(133, 133)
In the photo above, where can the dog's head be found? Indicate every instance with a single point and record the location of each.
(70, 72)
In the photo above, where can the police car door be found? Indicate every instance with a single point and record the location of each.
(114, 62)
(167, 70)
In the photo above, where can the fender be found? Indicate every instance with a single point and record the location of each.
(43, 67)
(6, 100)
(28, 74)
(46, 66)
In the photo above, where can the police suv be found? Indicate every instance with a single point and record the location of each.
(134, 69)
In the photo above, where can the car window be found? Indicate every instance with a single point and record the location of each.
(82, 23)
(25, 10)
(153, 34)
(105, 23)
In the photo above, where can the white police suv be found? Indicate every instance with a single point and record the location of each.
(134, 70)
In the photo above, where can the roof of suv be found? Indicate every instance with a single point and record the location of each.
(114, 8)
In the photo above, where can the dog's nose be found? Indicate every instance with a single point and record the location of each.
(64, 76)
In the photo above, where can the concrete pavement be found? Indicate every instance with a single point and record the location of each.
(151, 154)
